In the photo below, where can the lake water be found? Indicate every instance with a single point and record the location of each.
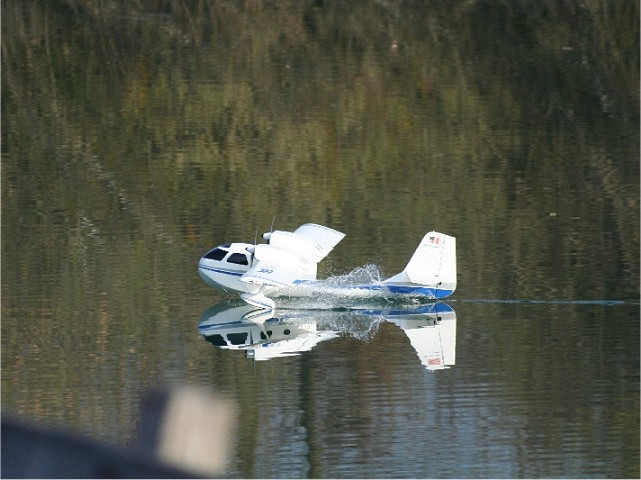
(135, 138)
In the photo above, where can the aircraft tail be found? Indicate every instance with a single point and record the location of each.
(431, 270)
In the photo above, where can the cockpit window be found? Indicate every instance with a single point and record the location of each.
(216, 340)
(216, 254)
(238, 258)
(237, 338)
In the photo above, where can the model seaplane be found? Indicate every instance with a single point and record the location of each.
(286, 266)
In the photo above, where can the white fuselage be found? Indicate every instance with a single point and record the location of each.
(223, 267)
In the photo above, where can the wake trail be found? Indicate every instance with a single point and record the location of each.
(349, 291)
(543, 302)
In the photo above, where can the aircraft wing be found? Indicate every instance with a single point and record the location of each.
(290, 256)
(275, 266)
(310, 241)
(268, 274)
(326, 238)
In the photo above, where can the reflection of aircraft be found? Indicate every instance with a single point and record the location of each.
(264, 334)
(286, 266)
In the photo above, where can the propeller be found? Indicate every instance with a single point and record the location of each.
(266, 235)
(271, 229)
(252, 250)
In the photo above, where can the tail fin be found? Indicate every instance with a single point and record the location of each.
(433, 265)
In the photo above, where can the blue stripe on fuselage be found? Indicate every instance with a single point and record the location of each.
(417, 290)
(218, 270)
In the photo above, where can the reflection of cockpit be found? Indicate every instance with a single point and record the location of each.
(258, 332)
(250, 333)
(228, 339)
(219, 254)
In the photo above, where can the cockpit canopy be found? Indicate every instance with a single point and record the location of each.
(235, 253)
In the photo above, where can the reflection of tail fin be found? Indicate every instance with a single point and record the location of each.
(433, 265)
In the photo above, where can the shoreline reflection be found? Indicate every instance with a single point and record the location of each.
(265, 335)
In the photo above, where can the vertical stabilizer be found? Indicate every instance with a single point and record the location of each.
(432, 265)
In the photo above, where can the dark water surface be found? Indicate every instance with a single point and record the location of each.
(137, 136)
